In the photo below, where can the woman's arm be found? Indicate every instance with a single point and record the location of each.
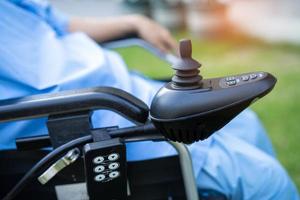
(115, 27)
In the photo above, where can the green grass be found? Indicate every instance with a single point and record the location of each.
(279, 110)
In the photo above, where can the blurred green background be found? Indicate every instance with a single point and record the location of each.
(279, 110)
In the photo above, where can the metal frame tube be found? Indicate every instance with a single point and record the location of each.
(187, 170)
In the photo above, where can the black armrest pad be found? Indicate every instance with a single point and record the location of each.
(74, 101)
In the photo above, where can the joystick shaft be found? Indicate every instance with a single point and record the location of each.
(187, 69)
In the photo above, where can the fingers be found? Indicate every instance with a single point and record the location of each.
(169, 42)
(161, 46)
(164, 41)
(157, 35)
(164, 44)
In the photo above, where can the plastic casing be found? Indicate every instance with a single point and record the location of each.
(192, 115)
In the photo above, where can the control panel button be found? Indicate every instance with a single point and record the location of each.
(99, 168)
(260, 75)
(113, 166)
(114, 174)
(98, 160)
(99, 177)
(113, 157)
(230, 78)
(231, 83)
(245, 78)
(253, 76)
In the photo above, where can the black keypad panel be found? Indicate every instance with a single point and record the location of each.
(232, 81)
(105, 169)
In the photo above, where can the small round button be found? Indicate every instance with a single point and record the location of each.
(114, 174)
(99, 177)
(245, 78)
(253, 76)
(99, 168)
(98, 160)
(230, 78)
(113, 157)
(231, 83)
(113, 166)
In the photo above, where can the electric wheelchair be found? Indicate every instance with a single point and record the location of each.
(77, 161)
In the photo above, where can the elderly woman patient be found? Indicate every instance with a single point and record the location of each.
(42, 51)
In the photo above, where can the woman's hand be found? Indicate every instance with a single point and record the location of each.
(154, 33)
(102, 30)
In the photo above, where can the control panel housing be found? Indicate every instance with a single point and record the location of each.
(105, 169)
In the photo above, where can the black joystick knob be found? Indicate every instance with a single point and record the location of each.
(187, 69)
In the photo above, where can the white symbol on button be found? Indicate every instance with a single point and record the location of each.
(99, 177)
(114, 174)
(245, 78)
(113, 166)
(99, 169)
(113, 157)
(98, 160)
(253, 76)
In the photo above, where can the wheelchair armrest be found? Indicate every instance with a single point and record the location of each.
(134, 41)
(74, 101)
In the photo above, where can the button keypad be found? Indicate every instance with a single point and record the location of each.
(105, 169)
(108, 168)
(231, 81)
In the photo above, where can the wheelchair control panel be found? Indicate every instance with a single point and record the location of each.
(191, 108)
(105, 169)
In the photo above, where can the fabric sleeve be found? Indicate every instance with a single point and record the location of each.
(57, 20)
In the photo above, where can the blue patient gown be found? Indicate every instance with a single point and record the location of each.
(38, 55)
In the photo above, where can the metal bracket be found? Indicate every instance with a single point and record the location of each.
(66, 127)
(59, 165)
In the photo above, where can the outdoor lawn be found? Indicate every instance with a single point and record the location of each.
(279, 111)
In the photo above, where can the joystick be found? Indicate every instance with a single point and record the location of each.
(186, 70)
(190, 108)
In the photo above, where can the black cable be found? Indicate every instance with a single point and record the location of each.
(44, 162)
(43, 141)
